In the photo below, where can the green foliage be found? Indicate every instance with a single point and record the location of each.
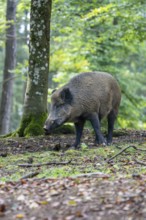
(87, 36)
(110, 37)
(2, 18)
(65, 129)
(84, 147)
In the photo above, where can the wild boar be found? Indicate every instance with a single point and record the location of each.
(87, 96)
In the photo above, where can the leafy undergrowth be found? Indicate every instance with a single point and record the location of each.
(81, 184)
(88, 159)
(84, 161)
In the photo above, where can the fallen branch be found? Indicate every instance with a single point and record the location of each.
(30, 175)
(136, 148)
(44, 164)
(94, 175)
(120, 152)
(140, 162)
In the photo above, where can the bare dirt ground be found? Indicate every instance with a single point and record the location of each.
(58, 142)
(92, 197)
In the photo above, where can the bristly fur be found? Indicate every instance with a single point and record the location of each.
(87, 96)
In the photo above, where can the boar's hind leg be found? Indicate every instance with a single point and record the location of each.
(94, 119)
(111, 119)
(79, 130)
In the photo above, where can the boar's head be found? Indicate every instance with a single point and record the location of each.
(60, 110)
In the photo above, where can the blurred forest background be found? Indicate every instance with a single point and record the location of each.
(86, 35)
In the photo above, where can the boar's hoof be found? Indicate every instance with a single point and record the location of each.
(109, 143)
(103, 142)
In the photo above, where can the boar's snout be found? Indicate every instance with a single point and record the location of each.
(51, 125)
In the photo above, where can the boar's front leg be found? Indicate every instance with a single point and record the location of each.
(79, 130)
(111, 119)
(94, 119)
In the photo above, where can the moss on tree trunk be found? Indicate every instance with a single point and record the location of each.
(32, 125)
(35, 103)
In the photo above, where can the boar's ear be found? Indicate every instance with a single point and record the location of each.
(66, 95)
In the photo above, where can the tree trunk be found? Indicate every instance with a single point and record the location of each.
(35, 103)
(8, 75)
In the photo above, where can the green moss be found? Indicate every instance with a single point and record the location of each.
(94, 158)
(33, 130)
(15, 133)
(6, 135)
(64, 129)
(32, 125)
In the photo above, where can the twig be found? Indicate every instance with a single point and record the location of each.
(44, 164)
(30, 175)
(136, 148)
(10, 78)
(140, 162)
(96, 175)
(120, 152)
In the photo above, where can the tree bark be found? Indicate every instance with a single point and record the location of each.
(35, 103)
(9, 65)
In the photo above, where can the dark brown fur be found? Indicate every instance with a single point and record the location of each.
(88, 96)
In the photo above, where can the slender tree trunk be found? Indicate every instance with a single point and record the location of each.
(35, 103)
(8, 76)
(25, 41)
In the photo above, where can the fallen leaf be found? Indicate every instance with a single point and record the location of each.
(2, 206)
(20, 216)
(72, 203)
(21, 198)
(69, 217)
(55, 204)
(79, 214)
(43, 202)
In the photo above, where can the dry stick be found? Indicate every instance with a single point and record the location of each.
(120, 152)
(44, 164)
(30, 175)
(136, 148)
(6, 80)
(96, 175)
(140, 162)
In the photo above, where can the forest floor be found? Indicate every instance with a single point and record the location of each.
(94, 182)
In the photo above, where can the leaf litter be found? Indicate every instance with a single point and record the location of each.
(91, 188)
